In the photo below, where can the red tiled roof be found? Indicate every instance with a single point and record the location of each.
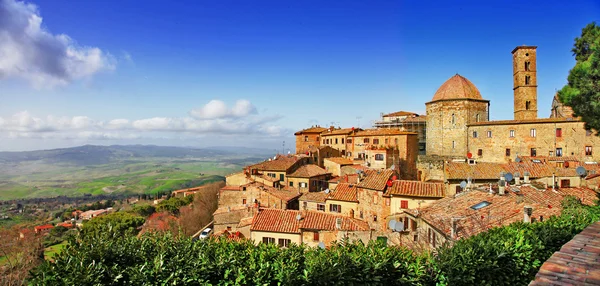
(350, 178)
(285, 221)
(536, 170)
(43, 227)
(343, 131)
(281, 164)
(503, 210)
(230, 188)
(416, 189)
(66, 224)
(318, 197)
(479, 171)
(340, 160)
(308, 171)
(344, 192)
(577, 262)
(195, 189)
(376, 179)
(400, 113)
(381, 132)
(314, 129)
(285, 194)
(457, 87)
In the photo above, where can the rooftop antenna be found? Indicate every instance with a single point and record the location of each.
(298, 217)
(283, 148)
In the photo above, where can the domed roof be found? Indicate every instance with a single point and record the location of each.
(457, 87)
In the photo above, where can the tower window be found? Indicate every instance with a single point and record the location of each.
(511, 133)
(507, 152)
(527, 66)
(527, 78)
(453, 144)
(527, 54)
(474, 134)
(305, 138)
(533, 152)
(489, 134)
(527, 105)
(532, 132)
(453, 119)
(588, 150)
(559, 152)
(477, 117)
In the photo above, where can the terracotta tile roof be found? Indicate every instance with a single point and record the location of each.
(245, 222)
(318, 197)
(527, 121)
(308, 171)
(195, 189)
(344, 192)
(281, 164)
(343, 131)
(230, 188)
(416, 189)
(577, 262)
(315, 220)
(536, 170)
(286, 194)
(314, 129)
(350, 178)
(285, 221)
(376, 179)
(592, 176)
(340, 160)
(502, 210)
(43, 227)
(457, 87)
(400, 113)
(479, 171)
(381, 132)
(267, 178)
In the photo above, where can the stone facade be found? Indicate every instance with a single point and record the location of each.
(308, 138)
(502, 141)
(525, 82)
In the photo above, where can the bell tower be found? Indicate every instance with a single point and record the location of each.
(525, 82)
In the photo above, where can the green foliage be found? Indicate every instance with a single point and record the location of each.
(143, 210)
(509, 255)
(582, 92)
(119, 223)
(173, 204)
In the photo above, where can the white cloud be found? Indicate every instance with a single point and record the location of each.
(238, 120)
(216, 109)
(29, 51)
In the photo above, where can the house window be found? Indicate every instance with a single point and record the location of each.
(323, 141)
(349, 140)
(527, 80)
(335, 208)
(321, 207)
(550, 153)
(375, 141)
(291, 184)
(228, 228)
(558, 132)
(560, 164)
(532, 132)
(403, 204)
(489, 134)
(361, 214)
(243, 201)
(527, 66)
(317, 139)
(386, 141)
(433, 238)
(459, 189)
(342, 140)
(511, 133)
(480, 152)
(305, 138)
(559, 152)
(565, 183)
(527, 105)
(533, 152)
(281, 177)
(366, 140)
(413, 225)
(316, 236)
(378, 157)
(314, 183)
(453, 144)
(374, 218)
(303, 185)
(474, 134)
(429, 235)
(284, 242)
(305, 205)
(507, 152)
(588, 150)
(336, 140)
(268, 240)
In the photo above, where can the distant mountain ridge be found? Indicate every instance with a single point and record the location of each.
(96, 155)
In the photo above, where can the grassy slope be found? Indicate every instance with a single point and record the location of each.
(50, 251)
(139, 176)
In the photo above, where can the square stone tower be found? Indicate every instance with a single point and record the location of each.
(525, 82)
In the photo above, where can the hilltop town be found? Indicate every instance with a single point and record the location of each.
(419, 180)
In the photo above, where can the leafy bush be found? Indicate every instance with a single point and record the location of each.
(173, 204)
(119, 223)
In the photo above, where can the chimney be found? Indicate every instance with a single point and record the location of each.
(526, 177)
(454, 231)
(517, 179)
(501, 187)
(527, 211)
(338, 223)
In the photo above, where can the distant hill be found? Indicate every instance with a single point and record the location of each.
(98, 155)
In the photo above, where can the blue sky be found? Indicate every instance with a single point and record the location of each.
(250, 73)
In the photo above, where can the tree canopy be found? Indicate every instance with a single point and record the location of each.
(582, 93)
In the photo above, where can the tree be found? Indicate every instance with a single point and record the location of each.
(119, 222)
(582, 93)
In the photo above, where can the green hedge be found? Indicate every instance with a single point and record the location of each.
(501, 256)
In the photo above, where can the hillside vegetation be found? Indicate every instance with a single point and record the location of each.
(509, 255)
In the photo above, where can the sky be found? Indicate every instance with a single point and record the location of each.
(251, 73)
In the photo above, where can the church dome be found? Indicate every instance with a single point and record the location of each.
(457, 87)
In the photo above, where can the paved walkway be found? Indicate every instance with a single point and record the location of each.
(577, 262)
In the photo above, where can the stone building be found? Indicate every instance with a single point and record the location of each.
(336, 138)
(307, 138)
(406, 121)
